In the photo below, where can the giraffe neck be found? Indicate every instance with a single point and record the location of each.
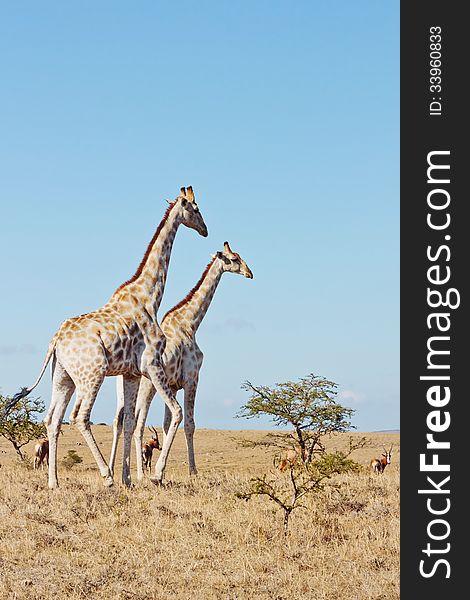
(194, 309)
(154, 273)
(150, 277)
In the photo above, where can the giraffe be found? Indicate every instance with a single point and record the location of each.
(121, 338)
(182, 358)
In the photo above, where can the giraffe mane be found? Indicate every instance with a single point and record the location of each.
(191, 293)
(149, 248)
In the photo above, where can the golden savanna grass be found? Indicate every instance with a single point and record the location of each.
(193, 539)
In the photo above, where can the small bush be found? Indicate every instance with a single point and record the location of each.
(71, 459)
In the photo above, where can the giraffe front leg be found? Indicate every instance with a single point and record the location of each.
(167, 414)
(189, 425)
(118, 421)
(158, 377)
(130, 389)
(138, 442)
(141, 461)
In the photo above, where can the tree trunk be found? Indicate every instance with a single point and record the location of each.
(18, 450)
(286, 519)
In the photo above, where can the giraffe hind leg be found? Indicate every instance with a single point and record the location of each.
(62, 390)
(118, 421)
(189, 425)
(130, 389)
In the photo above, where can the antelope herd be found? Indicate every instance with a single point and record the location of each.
(288, 458)
(292, 457)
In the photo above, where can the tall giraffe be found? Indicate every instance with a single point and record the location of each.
(182, 358)
(121, 338)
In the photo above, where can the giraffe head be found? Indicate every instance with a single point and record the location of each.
(233, 262)
(189, 211)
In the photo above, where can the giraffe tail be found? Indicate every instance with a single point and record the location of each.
(25, 390)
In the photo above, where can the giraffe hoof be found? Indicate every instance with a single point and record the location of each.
(156, 481)
(108, 481)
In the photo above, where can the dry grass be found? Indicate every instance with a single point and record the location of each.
(194, 538)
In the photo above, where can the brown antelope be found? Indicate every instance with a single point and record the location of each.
(291, 457)
(378, 464)
(149, 447)
(41, 452)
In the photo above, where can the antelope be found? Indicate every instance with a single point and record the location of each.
(378, 464)
(41, 452)
(149, 447)
(291, 457)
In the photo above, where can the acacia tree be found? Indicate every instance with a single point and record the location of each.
(6, 406)
(310, 408)
(19, 424)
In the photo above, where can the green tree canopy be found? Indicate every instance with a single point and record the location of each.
(19, 424)
(308, 405)
(310, 408)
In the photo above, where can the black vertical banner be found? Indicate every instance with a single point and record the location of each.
(435, 241)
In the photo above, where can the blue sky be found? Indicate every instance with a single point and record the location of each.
(283, 116)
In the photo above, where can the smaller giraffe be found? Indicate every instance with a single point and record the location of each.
(182, 358)
(41, 453)
(377, 465)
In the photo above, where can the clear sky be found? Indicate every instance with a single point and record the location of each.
(283, 116)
